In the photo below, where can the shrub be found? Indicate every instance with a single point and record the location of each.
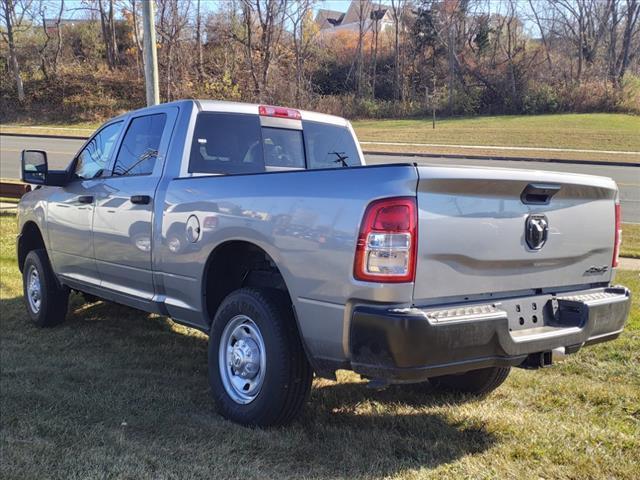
(629, 101)
(589, 96)
(541, 98)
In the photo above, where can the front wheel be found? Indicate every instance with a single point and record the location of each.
(258, 370)
(45, 300)
(477, 382)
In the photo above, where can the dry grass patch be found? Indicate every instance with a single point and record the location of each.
(115, 393)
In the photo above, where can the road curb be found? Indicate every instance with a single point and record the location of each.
(502, 158)
(44, 135)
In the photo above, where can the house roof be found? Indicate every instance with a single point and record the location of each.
(324, 16)
(354, 11)
(349, 20)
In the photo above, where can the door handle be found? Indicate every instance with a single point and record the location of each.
(538, 193)
(85, 199)
(141, 199)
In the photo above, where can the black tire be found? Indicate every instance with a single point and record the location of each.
(288, 374)
(51, 309)
(477, 382)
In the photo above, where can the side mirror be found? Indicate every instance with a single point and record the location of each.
(34, 167)
(35, 170)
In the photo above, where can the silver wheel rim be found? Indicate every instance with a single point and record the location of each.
(34, 289)
(242, 359)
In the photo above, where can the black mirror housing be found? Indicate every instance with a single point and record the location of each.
(34, 167)
(35, 170)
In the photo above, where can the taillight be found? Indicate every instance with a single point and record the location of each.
(386, 248)
(280, 112)
(618, 235)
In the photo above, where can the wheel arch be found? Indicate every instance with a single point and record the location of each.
(242, 263)
(31, 238)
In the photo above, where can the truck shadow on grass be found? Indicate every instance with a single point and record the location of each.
(129, 393)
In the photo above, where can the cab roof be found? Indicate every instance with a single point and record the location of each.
(252, 108)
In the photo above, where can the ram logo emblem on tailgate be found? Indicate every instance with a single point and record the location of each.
(536, 231)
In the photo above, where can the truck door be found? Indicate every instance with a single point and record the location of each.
(70, 208)
(122, 224)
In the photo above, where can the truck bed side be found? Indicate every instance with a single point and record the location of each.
(306, 221)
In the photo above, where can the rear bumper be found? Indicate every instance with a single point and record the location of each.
(409, 345)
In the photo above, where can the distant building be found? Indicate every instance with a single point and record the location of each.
(332, 21)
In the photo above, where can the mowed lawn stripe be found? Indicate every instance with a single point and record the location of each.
(596, 131)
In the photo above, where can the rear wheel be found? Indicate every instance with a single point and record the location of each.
(45, 300)
(478, 382)
(258, 370)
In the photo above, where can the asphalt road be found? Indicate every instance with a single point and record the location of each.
(60, 152)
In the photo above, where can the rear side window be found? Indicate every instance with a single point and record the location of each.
(139, 150)
(329, 146)
(226, 143)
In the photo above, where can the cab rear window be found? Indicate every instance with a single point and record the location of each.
(283, 148)
(230, 143)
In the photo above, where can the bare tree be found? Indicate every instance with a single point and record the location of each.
(397, 9)
(13, 22)
(543, 33)
(631, 28)
(56, 25)
(173, 18)
(377, 14)
(362, 31)
(266, 19)
(42, 50)
(137, 36)
(303, 36)
(107, 24)
(584, 23)
(200, 62)
(58, 49)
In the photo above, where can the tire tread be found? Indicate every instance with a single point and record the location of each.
(299, 373)
(55, 298)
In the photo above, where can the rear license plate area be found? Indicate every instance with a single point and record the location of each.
(528, 313)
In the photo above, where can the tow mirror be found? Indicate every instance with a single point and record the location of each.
(35, 170)
(34, 167)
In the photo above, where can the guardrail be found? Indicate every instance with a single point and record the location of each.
(13, 189)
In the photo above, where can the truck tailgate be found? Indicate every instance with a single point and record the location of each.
(472, 236)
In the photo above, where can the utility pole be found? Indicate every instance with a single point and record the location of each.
(149, 53)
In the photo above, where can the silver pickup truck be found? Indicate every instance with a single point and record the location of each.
(262, 227)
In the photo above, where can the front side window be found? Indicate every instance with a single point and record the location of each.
(329, 146)
(139, 150)
(94, 157)
(283, 148)
(226, 143)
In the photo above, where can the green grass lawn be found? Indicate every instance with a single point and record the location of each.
(630, 240)
(115, 393)
(597, 131)
(75, 129)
